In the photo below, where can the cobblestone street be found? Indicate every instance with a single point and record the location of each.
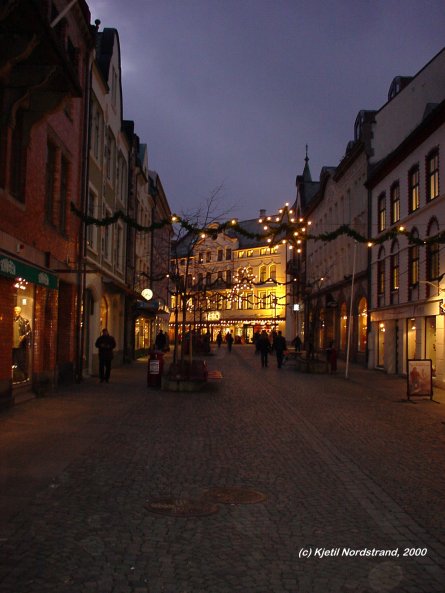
(348, 467)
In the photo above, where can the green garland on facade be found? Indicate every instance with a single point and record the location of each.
(275, 232)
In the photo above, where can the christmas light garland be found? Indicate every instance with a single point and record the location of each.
(276, 229)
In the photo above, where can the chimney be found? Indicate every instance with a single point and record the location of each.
(262, 213)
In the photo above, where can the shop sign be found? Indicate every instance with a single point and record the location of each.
(213, 316)
(17, 269)
(441, 308)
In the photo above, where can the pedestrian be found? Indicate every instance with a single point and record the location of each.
(106, 344)
(280, 347)
(161, 341)
(296, 342)
(229, 340)
(264, 348)
(331, 357)
(219, 339)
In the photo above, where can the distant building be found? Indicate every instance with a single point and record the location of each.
(231, 282)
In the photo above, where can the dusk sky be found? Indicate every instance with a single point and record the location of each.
(229, 92)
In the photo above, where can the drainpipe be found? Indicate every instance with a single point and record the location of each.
(81, 267)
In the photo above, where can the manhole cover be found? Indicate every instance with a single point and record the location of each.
(232, 495)
(181, 507)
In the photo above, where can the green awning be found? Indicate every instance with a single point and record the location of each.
(14, 268)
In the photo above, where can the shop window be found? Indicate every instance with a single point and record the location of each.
(343, 327)
(103, 314)
(432, 175)
(362, 324)
(411, 334)
(381, 345)
(414, 189)
(22, 331)
(395, 202)
(430, 341)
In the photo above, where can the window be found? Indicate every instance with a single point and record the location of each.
(63, 194)
(208, 278)
(228, 253)
(229, 277)
(249, 252)
(432, 175)
(395, 202)
(106, 238)
(220, 254)
(200, 257)
(381, 214)
(273, 272)
(249, 300)
(262, 298)
(50, 174)
(119, 247)
(413, 262)
(413, 189)
(18, 160)
(432, 255)
(394, 271)
(96, 132)
(263, 274)
(92, 228)
(208, 256)
(381, 276)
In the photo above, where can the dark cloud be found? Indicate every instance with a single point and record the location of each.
(230, 91)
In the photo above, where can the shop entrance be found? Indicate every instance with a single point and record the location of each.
(22, 331)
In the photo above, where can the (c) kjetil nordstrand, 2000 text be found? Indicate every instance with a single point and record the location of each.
(344, 552)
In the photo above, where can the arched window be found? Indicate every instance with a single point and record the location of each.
(273, 272)
(362, 324)
(413, 263)
(263, 274)
(394, 272)
(381, 277)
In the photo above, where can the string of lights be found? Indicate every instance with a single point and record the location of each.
(282, 228)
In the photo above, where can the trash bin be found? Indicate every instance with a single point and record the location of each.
(155, 368)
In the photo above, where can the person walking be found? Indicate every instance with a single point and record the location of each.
(263, 346)
(296, 342)
(219, 339)
(229, 340)
(105, 344)
(280, 347)
(161, 341)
